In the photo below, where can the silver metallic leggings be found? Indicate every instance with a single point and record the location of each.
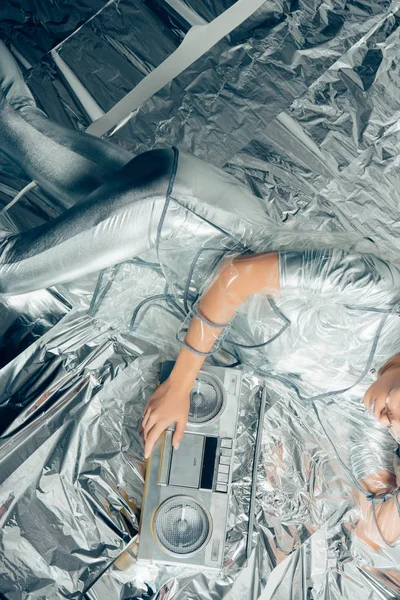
(114, 200)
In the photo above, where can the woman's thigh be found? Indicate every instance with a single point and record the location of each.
(116, 222)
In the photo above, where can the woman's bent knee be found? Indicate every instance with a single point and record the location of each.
(149, 168)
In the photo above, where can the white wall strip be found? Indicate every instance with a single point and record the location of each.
(20, 194)
(24, 62)
(87, 101)
(186, 12)
(197, 42)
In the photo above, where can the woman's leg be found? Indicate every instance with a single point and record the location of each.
(66, 163)
(117, 221)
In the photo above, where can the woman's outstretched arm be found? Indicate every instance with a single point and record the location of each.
(237, 279)
(361, 279)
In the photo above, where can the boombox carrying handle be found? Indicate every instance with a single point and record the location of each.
(257, 452)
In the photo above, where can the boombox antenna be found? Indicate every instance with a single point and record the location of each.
(257, 452)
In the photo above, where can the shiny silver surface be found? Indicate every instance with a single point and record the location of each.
(304, 112)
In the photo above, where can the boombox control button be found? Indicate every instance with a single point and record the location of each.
(224, 460)
(222, 478)
(223, 469)
(226, 443)
(232, 385)
(221, 487)
(226, 452)
(215, 550)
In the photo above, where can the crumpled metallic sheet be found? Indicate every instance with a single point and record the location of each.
(84, 479)
(286, 57)
(211, 9)
(24, 319)
(329, 566)
(63, 473)
(35, 28)
(127, 56)
(288, 170)
(330, 158)
(268, 15)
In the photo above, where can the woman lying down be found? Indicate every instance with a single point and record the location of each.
(340, 307)
(366, 281)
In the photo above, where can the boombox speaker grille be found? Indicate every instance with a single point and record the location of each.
(206, 399)
(181, 525)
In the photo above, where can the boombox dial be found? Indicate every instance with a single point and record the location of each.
(181, 525)
(207, 399)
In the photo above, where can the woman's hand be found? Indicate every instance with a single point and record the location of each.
(169, 404)
(382, 399)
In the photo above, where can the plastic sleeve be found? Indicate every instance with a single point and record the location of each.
(334, 271)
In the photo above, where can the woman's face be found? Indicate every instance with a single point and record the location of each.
(382, 400)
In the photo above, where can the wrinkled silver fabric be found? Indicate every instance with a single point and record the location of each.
(328, 163)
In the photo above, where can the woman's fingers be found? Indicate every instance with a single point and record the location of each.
(179, 433)
(146, 417)
(167, 405)
(152, 437)
(149, 409)
(152, 420)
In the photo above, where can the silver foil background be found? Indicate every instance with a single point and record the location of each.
(301, 103)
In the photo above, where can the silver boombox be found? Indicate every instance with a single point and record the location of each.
(186, 496)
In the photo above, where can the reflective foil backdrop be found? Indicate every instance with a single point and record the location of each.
(301, 104)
